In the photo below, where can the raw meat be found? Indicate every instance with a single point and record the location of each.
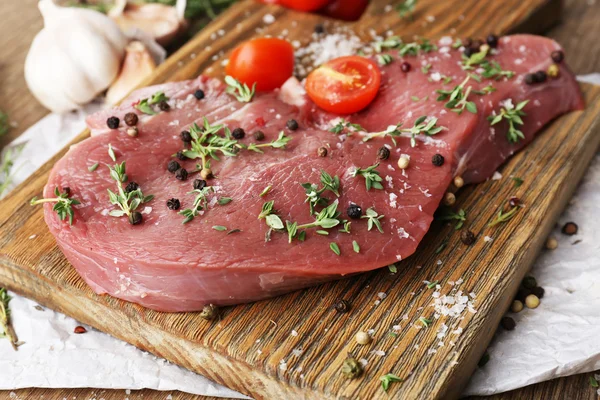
(169, 266)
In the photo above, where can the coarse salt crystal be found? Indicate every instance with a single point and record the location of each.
(497, 176)
(294, 333)
(487, 239)
(268, 19)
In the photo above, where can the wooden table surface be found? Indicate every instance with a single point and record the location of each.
(578, 33)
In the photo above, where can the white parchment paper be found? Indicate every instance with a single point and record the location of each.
(559, 338)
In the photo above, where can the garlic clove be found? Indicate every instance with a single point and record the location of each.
(138, 65)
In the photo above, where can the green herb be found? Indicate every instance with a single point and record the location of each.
(387, 379)
(6, 329)
(425, 321)
(518, 181)
(373, 219)
(492, 70)
(344, 125)
(406, 8)
(593, 382)
(513, 116)
(240, 91)
(440, 248)
(200, 203)
(219, 228)
(423, 124)
(431, 285)
(4, 123)
(355, 246)
(267, 209)
(447, 80)
(234, 231)
(393, 334)
(414, 98)
(416, 48)
(111, 153)
(335, 248)
(450, 215)
(6, 165)
(206, 142)
(224, 200)
(457, 44)
(94, 167)
(145, 105)
(313, 193)
(326, 219)
(425, 69)
(392, 268)
(281, 141)
(321, 232)
(457, 98)
(475, 59)
(504, 216)
(393, 42)
(63, 204)
(486, 90)
(384, 59)
(346, 228)
(371, 175)
(265, 191)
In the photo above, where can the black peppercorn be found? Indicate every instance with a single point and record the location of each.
(186, 136)
(292, 125)
(131, 119)
(354, 211)
(437, 160)
(530, 79)
(322, 151)
(342, 306)
(468, 42)
(181, 174)
(173, 166)
(570, 228)
(405, 66)
(476, 45)
(199, 94)
(467, 237)
(173, 204)
(538, 291)
(529, 282)
(238, 133)
(131, 187)
(522, 293)
(557, 56)
(383, 153)
(492, 41)
(508, 323)
(164, 106)
(209, 312)
(135, 218)
(199, 184)
(540, 77)
(319, 28)
(259, 135)
(181, 156)
(469, 51)
(113, 122)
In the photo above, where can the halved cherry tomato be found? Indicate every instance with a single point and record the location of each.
(347, 10)
(268, 62)
(344, 85)
(304, 5)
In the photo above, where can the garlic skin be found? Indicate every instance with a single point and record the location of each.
(75, 57)
(138, 65)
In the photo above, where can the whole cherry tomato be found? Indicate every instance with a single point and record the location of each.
(347, 10)
(304, 5)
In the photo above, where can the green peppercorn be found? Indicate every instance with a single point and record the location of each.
(529, 282)
(135, 218)
(351, 368)
(209, 312)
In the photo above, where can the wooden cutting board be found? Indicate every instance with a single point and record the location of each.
(244, 349)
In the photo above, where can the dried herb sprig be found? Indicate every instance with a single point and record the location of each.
(206, 142)
(493, 70)
(513, 116)
(371, 175)
(239, 90)
(63, 204)
(200, 203)
(6, 329)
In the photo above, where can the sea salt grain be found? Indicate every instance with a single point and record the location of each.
(268, 19)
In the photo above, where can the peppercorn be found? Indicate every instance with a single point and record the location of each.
(164, 106)
(342, 306)
(322, 151)
(131, 187)
(383, 153)
(476, 44)
(238, 133)
(540, 76)
(135, 218)
(362, 338)
(131, 119)
(530, 79)
(538, 291)
(181, 174)
(292, 125)
(514, 201)
(354, 211)
(557, 56)
(199, 94)
(449, 198)
(173, 204)
(113, 122)
(570, 228)
(79, 330)
(319, 29)
(186, 136)
(529, 282)
(437, 160)
(469, 51)
(459, 182)
(483, 360)
(181, 156)
(484, 48)
(405, 66)
(553, 71)
(403, 161)
(259, 135)
(508, 323)
(467, 237)
(67, 190)
(468, 42)
(522, 294)
(173, 166)
(209, 312)
(517, 306)
(199, 184)
(551, 243)
(351, 368)
(532, 301)
(206, 173)
(492, 41)
(132, 131)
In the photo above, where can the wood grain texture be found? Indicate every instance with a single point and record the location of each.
(233, 339)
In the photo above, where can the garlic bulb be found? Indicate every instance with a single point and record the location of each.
(74, 57)
(138, 65)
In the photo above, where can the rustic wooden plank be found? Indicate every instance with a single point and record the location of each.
(233, 338)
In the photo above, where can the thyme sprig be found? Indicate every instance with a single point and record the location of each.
(371, 175)
(493, 70)
(327, 218)
(200, 203)
(423, 124)
(384, 59)
(416, 48)
(206, 142)
(6, 330)
(63, 204)
(281, 141)
(504, 216)
(469, 63)
(239, 90)
(145, 105)
(313, 193)
(460, 217)
(513, 116)
(457, 98)
(373, 219)
(387, 379)
(345, 126)
(393, 42)
(406, 8)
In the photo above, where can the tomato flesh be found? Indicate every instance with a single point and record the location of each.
(344, 85)
(268, 62)
(345, 10)
(304, 5)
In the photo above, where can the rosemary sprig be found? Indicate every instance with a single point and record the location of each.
(145, 105)
(460, 217)
(200, 203)
(406, 8)
(423, 124)
(504, 216)
(457, 98)
(387, 379)
(63, 204)
(239, 90)
(371, 175)
(513, 116)
(345, 126)
(281, 141)
(6, 329)
(373, 219)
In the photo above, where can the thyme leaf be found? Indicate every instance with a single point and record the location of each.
(373, 219)
(426, 322)
(145, 105)
(513, 116)
(345, 126)
(393, 42)
(335, 248)
(239, 90)
(371, 175)
(355, 246)
(200, 203)
(457, 98)
(387, 379)
(63, 204)
(384, 59)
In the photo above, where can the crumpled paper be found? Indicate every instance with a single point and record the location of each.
(558, 338)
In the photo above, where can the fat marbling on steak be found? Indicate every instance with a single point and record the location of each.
(166, 265)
